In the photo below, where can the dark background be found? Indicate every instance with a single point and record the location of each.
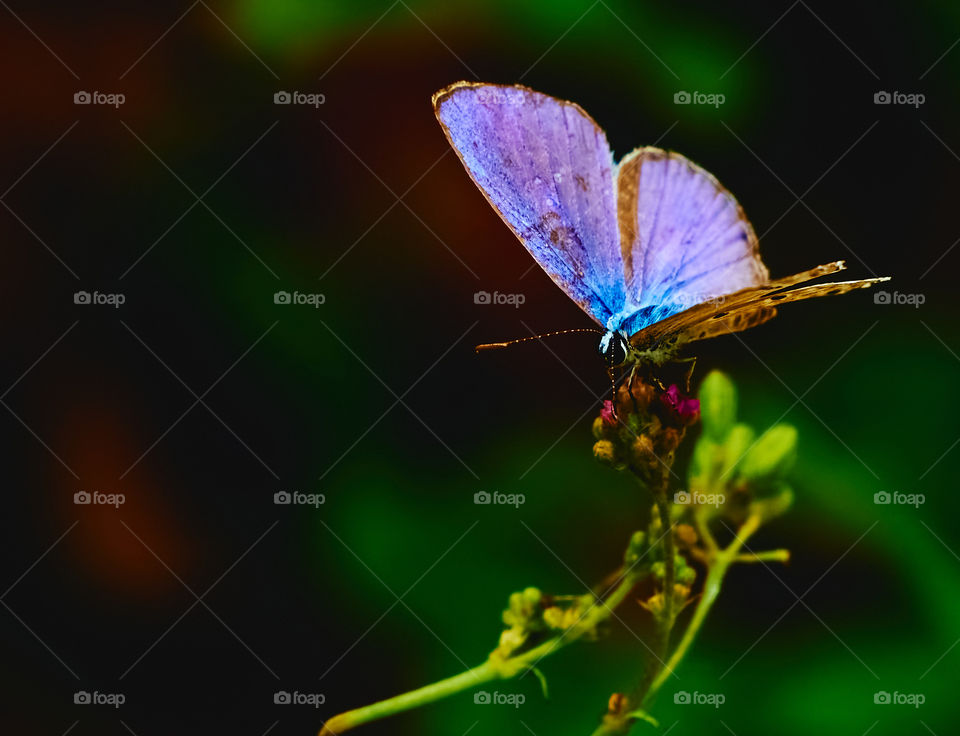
(376, 399)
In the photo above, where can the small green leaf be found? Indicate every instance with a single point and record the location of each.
(543, 682)
(642, 715)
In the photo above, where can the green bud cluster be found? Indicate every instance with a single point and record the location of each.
(524, 609)
(729, 458)
(683, 572)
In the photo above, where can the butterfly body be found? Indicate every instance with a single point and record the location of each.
(615, 347)
(653, 248)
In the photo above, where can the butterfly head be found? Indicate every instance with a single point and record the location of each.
(615, 347)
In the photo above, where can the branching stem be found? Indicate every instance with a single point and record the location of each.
(492, 669)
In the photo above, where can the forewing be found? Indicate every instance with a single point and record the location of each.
(684, 238)
(546, 168)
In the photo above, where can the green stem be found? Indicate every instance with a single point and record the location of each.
(720, 562)
(620, 722)
(703, 529)
(711, 589)
(490, 670)
(771, 555)
(665, 620)
(670, 562)
(413, 699)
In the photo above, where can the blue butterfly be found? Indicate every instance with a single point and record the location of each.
(653, 248)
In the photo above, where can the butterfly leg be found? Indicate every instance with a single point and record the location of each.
(658, 382)
(633, 375)
(692, 362)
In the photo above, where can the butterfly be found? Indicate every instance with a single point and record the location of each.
(653, 248)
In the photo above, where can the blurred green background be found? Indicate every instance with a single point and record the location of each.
(376, 399)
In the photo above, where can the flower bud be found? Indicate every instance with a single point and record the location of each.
(617, 704)
(686, 534)
(561, 618)
(739, 441)
(636, 549)
(608, 414)
(681, 570)
(605, 452)
(686, 575)
(718, 405)
(641, 451)
(703, 463)
(532, 595)
(553, 617)
(511, 639)
(522, 607)
(643, 394)
(670, 439)
(680, 595)
(654, 604)
(687, 411)
(598, 428)
(772, 455)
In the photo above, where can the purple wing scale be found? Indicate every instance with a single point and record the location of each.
(547, 169)
(685, 239)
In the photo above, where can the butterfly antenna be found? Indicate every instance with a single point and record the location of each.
(508, 343)
(613, 382)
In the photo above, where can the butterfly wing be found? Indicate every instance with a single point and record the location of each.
(684, 238)
(546, 168)
(736, 321)
(744, 309)
(673, 325)
(763, 307)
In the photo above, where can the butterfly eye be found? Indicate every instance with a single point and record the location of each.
(616, 351)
